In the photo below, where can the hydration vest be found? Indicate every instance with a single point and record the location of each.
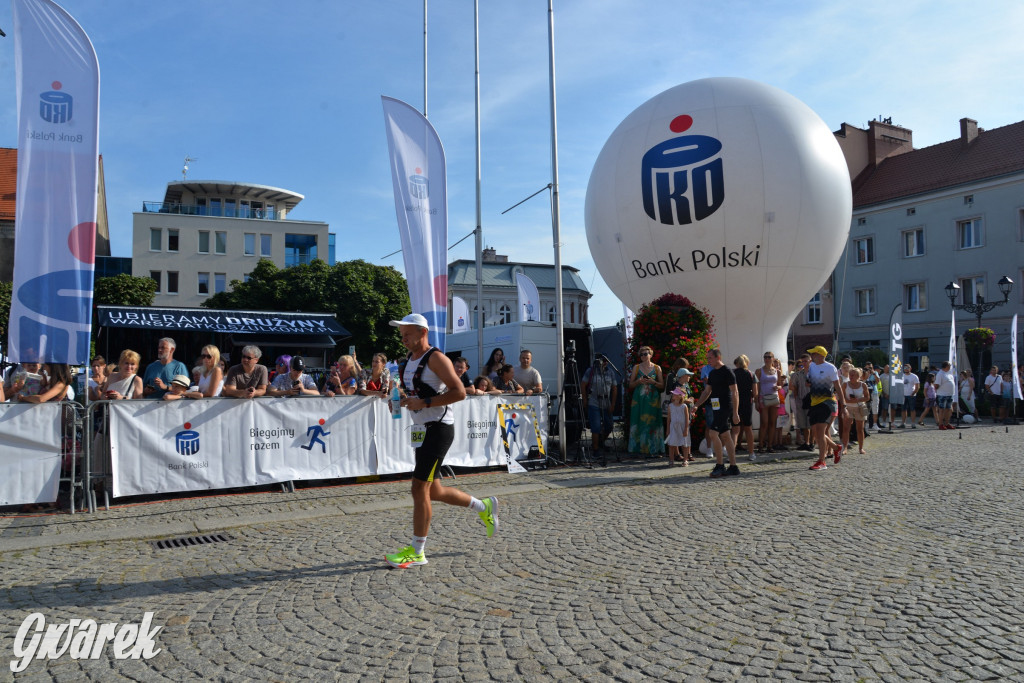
(420, 389)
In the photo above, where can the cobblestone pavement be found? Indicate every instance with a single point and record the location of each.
(901, 564)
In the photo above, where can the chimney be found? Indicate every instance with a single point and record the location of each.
(487, 255)
(968, 131)
(886, 139)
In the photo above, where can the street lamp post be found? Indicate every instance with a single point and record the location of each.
(980, 306)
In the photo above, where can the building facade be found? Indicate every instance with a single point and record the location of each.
(206, 233)
(922, 218)
(501, 296)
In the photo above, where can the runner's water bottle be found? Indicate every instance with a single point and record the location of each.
(396, 402)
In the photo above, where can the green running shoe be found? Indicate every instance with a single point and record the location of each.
(405, 558)
(490, 515)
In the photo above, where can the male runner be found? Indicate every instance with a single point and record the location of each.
(431, 386)
(724, 402)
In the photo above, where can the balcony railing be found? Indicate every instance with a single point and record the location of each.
(264, 214)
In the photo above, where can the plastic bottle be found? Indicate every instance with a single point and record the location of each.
(396, 402)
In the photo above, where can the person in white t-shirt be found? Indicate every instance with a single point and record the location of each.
(945, 392)
(994, 392)
(911, 383)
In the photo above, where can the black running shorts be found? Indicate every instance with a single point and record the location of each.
(820, 414)
(430, 454)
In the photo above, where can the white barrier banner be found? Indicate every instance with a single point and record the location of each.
(29, 452)
(165, 446)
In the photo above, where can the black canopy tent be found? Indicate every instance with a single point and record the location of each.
(311, 335)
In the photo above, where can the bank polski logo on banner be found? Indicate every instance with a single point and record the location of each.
(730, 192)
(186, 442)
(460, 324)
(55, 106)
(418, 185)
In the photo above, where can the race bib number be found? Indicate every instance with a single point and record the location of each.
(417, 434)
(715, 405)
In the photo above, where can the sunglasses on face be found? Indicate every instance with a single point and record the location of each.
(248, 358)
(206, 355)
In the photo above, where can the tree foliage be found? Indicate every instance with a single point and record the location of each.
(362, 296)
(124, 290)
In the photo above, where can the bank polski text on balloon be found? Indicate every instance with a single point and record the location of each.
(727, 191)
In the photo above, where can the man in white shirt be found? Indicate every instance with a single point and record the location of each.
(910, 385)
(527, 375)
(994, 392)
(945, 393)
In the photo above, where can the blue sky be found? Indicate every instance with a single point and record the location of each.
(288, 95)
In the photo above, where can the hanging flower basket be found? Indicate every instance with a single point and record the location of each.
(979, 338)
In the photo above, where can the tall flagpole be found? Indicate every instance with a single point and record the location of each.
(424, 58)
(479, 231)
(557, 232)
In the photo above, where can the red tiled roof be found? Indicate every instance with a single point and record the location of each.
(8, 181)
(993, 153)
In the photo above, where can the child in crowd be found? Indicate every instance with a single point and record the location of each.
(678, 428)
(929, 398)
(179, 385)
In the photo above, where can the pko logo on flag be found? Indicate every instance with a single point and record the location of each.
(186, 442)
(418, 185)
(682, 179)
(55, 106)
(460, 323)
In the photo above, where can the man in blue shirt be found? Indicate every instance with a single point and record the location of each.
(160, 372)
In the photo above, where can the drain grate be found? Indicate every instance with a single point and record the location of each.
(189, 541)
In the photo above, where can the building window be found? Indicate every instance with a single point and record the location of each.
(552, 312)
(204, 241)
(250, 244)
(969, 234)
(914, 296)
(220, 242)
(505, 315)
(154, 275)
(1020, 227)
(911, 211)
(971, 288)
(220, 282)
(299, 249)
(243, 209)
(245, 278)
(172, 282)
(229, 208)
(813, 315)
(968, 199)
(865, 248)
(865, 301)
(156, 239)
(204, 283)
(172, 240)
(265, 245)
(215, 206)
(201, 206)
(913, 242)
(862, 221)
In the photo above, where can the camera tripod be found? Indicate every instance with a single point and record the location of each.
(575, 412)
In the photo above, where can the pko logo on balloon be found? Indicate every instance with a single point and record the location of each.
(681, 166)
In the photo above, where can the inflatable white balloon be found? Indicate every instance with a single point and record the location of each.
(730, 192)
